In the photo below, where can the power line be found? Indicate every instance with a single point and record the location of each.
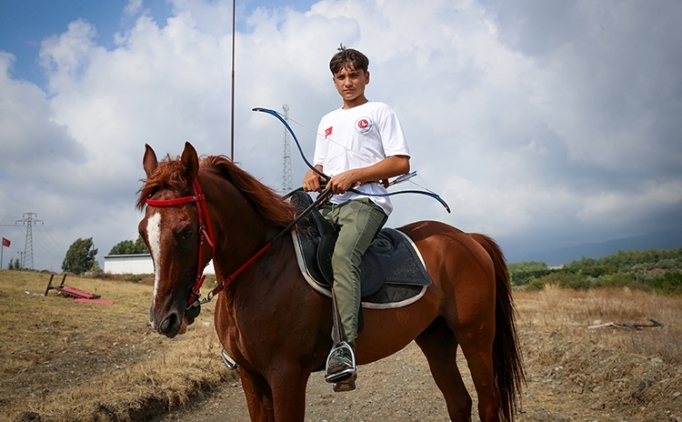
(53, 241)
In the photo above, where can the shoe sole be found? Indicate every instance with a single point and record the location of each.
(342, 387)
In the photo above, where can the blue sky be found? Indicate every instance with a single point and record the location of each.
(24, 24)
(542, 124)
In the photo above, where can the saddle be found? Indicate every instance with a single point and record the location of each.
(393, 273)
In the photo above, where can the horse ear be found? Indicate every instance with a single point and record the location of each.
(190, 162)
(149, 162)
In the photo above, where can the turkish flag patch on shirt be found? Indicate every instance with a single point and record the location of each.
(328, 132)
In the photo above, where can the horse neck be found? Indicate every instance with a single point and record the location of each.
(239, 230)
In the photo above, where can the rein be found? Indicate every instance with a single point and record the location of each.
(206, 233)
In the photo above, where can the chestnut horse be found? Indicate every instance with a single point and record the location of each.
(278, 329)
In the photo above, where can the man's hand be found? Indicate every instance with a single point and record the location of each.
(311, 181)
(340, 183)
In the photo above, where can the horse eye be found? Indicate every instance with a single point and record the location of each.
(186, 234)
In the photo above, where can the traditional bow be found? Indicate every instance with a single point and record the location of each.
(319, 173)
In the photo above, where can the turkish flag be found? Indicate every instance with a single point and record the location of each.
(328, 132)
(6, 242)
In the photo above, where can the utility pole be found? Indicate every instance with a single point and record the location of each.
(30, 218)
(286, 170)
(234, 19)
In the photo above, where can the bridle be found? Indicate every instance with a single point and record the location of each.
(206, 234)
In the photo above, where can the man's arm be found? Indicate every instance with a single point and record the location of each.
(394, 165)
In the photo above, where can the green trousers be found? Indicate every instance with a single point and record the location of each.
(357, 221)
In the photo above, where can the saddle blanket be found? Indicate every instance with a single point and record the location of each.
(393, 273)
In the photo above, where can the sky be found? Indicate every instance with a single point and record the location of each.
(542, 124)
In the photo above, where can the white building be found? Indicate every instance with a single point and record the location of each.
(136, 264)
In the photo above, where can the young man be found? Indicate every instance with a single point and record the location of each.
(357, 145)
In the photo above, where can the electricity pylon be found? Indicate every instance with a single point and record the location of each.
(27, 258)
(286, 169)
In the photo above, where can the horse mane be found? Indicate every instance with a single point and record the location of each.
(273, 208)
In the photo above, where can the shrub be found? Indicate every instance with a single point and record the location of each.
(535, 284)
(669, 283)
(568, 280)
(616, 280)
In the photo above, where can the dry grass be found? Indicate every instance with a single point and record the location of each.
(575, 371)
(69, 361)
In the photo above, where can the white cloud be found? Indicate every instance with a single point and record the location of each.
(623, 207)
(133, 7)
(523, 126)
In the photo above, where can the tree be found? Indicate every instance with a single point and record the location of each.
(127, 247)
(14, 264)
(80, 257)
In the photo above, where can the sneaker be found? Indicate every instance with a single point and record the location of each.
(340, 364)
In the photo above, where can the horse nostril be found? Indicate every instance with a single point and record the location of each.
(164, 325)
(169, 323)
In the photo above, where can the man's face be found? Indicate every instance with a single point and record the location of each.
(351, 84)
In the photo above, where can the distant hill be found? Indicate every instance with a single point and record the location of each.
(671, 239)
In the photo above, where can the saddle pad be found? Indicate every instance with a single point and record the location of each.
(393, 273)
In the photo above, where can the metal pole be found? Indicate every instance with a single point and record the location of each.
(232, 90)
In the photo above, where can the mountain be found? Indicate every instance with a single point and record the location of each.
(671, 239)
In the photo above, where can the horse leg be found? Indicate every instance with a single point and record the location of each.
(477, 348)
(440, 348)
(288, 385)
(258, 396)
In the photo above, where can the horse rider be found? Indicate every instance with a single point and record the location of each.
(357, 145)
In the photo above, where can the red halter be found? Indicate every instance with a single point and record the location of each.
(205, 232)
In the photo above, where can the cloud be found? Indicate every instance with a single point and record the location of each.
(31, 137)
(133, 7)
(533, 120)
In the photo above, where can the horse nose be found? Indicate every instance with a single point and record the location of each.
(170, 325)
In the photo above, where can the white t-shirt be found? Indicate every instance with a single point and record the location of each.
(359, 137)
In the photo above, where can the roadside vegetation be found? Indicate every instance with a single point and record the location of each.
(654, 270)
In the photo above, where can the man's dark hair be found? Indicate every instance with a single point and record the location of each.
(346, 57)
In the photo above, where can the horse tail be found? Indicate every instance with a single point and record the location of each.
(507, 359)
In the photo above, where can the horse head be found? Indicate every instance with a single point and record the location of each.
(171, 229)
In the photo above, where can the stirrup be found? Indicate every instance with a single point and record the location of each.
(227, 360)
(346, 373)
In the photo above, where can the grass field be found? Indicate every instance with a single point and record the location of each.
(66, 361)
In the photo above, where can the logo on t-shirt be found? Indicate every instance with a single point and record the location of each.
(328, 132)
(363, 125)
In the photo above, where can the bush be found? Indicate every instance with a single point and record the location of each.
(522, 277)
(535, 284)
(669, 283)
(568, 280)
(616, 280)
